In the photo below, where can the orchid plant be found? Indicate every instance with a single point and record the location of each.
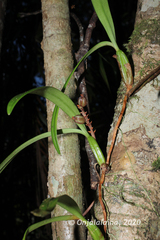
(66, 104)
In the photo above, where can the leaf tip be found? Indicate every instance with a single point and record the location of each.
(8, 111)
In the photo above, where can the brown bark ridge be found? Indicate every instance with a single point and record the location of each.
(132, 186)
(64, 174)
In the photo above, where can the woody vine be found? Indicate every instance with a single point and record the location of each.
(81, 118)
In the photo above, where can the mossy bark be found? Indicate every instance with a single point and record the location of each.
(64, 174)
(132, 186)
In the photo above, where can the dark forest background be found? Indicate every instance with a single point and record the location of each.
(23, 182)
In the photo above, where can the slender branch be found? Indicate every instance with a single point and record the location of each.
(23, 14)
(83, 49)
(89, 208)
(116, 129)
(85, 41)
(91, 26)
(81, 33)
(94, 177)
(149, 77)
(130, 90)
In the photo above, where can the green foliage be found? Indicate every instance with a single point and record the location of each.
(96, 150)
(68, 204)
(6, 161)
(55, 112)
(125, 68)
(55, 96)
(103, 12)
(4, 164)
(47, 221)
(65, 103)
(156, 164)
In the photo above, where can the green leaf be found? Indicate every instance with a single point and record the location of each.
(103, 12)
(47, 221)
(40, 213)
(92, 142)
(48, 204)
(94, 230)
(55, 96)
(93, 49)
(125, 67)
(59, 98)
(96, 150)
(71, 206)
(54, 128)
(55, 112)
(63, 201)
(45, 208)
(4, 164)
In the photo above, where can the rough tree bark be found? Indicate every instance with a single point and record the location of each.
(132, 187)
(64, 176)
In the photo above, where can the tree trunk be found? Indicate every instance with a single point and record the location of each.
(64, 175)
(132, 186)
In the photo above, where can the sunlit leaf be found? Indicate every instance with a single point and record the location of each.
(93, 49)
(47, 221)
(63, 201)
(71, 206)
(54, 128)
(55, 96)
(96, 150)
(68, 204)
(125, 67)
(94, 230)
(55, 112)
(40, 213)
(66, 104)
(4, 164)
(45, 208)
(103, 12)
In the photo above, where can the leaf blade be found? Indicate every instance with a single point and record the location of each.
(71, 206)
(96, 150)
(11, 156)
(103, 12)
(94, 230)
(55, 112)
(93, 49)
(54, 129)
(7, 160)
(47, 221)
(55, 96)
